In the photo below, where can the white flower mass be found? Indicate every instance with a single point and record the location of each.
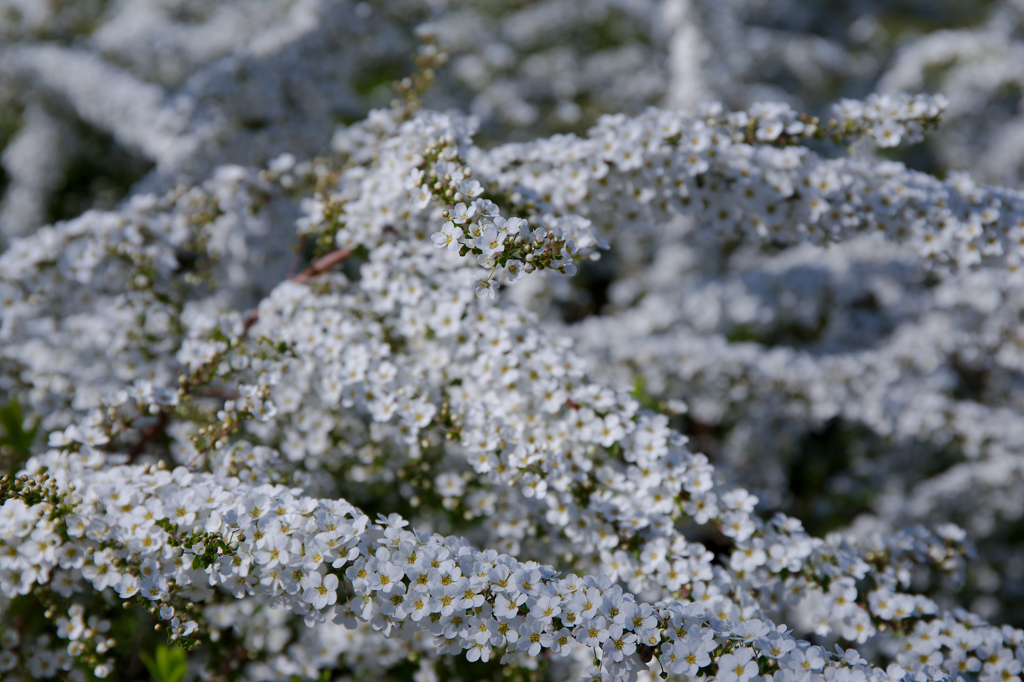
(432, 340)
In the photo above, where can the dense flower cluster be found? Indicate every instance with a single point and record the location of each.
(437, 376)
(169, 537)
(323, 416)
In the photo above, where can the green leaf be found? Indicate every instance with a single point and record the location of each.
(167, 665)
(12, 425)
(645, 399)
(324, 676)
(15, 440)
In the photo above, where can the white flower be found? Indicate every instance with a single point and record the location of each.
(738, 666)
(181, 508)
(385, 577)
(128, 586)
(533, 637)
(470, 189)
(491, 240)
(450, 484)
(448, 236)
(461, 214)
(887, 133)
(483, 285)
(593, 632)
(513, 269)
(414, 179)
(688, 655)
(510, 227)
(273, 552)
(319, 591)
(8, 660)
(620, 643)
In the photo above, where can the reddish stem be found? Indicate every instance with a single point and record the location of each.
(321, 265)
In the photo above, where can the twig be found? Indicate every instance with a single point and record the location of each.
(322, 265)
(218, 393)
(296, 256)
(148, 433)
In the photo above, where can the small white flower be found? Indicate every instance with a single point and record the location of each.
(738, 666)
(491, 240)
(448, 236)
(320, 591)
(483, 285)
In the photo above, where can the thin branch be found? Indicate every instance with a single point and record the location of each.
(148, 433)
(218, 393)
(322, 265)
(319, 266)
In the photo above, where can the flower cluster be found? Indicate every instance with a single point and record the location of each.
(403, 360)
(891, 120)
(209, 392)
(127, 528)
(759, 363)
(646, 170)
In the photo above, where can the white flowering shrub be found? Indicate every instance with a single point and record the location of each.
(701, 390)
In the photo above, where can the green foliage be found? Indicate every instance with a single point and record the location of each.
(324, 676)
(167, 665)
(646, 400)
(15, 439)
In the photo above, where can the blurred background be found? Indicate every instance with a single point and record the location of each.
(98, 96)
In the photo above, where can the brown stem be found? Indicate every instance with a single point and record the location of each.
(148, 433)
(218, 393)
(321, 265)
